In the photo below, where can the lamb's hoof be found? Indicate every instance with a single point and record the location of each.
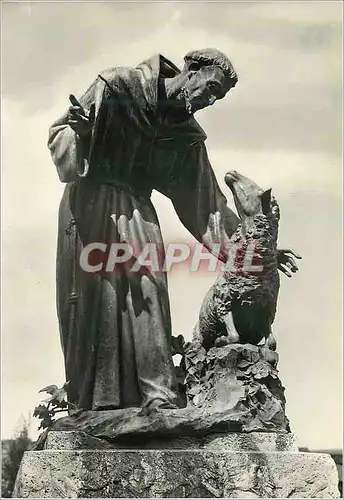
(270, 344)
(270, 357)
(221, 341)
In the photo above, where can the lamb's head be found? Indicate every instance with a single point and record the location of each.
(250, 200)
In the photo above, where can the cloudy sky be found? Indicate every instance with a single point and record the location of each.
(281, 126)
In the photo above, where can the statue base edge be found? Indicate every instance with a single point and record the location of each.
(196, 473)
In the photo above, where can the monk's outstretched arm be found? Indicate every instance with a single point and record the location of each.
(200, 204)
(202, 208)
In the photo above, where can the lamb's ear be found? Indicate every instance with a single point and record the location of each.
(194, 66)
(266, 201)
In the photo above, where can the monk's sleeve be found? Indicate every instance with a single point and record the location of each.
(69, 151)
(200, 204)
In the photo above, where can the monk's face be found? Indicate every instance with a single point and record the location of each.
(205, 86)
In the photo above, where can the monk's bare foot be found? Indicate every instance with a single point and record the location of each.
(157, 404)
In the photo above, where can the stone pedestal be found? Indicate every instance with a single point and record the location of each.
(251, 465)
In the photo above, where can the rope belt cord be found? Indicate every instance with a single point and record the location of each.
(146, 192)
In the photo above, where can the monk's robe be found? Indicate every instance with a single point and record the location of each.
(115, 327)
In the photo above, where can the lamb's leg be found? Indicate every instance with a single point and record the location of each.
(196, 334)
(270, 341)
(233, 336)
(205, 330)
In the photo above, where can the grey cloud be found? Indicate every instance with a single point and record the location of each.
(285, 98)
(300, 124)
(296, 27)
(42, 41)
(314, 37)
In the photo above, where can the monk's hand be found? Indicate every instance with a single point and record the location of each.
(78, 120)
(286, 261)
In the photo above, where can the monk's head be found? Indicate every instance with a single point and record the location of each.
(209, 76)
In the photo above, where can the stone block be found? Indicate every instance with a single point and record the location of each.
(214, 471)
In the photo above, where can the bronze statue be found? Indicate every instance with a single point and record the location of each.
(133, 131)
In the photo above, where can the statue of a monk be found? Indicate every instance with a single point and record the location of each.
(131, 132)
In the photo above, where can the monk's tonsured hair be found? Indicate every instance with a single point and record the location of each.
(211, 57)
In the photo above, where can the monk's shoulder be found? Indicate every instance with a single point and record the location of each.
(119, 75)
